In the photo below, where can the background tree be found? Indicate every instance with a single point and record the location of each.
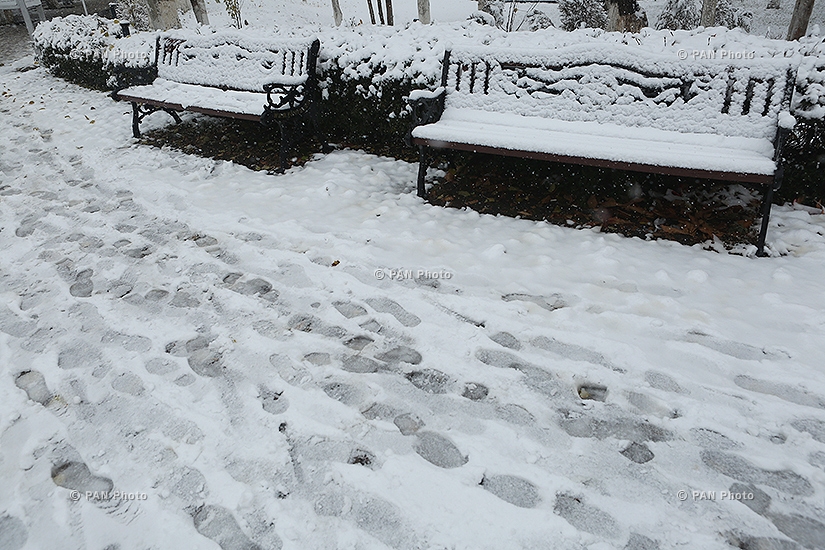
(678, 15)
(582, 13)
(799, 21)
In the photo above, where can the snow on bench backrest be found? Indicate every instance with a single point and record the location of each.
(626, 86)
(231, 61)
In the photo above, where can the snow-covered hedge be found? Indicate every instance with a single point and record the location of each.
(809, 100)
(92, 51)
(369, 70)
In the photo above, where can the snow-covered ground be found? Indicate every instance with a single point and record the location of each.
(321, 360)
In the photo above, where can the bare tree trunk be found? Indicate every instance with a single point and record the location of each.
(625, 16)
(199, 7)
(336, 13)
(708, 18)
(163, 14)
(799, 20)
(389, 12)
(424, 11)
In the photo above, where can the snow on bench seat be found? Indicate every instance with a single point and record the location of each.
(594, 140)
(191, 97)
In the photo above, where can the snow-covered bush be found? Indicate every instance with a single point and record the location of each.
(680, 15)
(730, 16)
(576, 14)
(482, 18)
(136, 12)
(809, 98)
(85, 49)
(495, 8)
(537, 20)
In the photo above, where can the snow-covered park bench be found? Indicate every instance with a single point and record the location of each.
(233, 76)
(617, 107)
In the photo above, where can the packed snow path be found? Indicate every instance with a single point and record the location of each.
(241, 349)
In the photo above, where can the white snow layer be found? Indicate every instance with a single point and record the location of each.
(321, 360)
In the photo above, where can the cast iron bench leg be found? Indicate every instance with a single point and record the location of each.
(422, 169)
(766, 209)
(135, 120)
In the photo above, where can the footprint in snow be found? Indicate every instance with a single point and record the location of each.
(808, 532)
(507, 340)
(83, 286)
(86, 357)
(550, 303)
(400, 354)
(475, 391)
(740, 469)
(812, 426)
(343, 392)
(641, 542)
(585, 517)
(13, 533)
(219, 525)
(358, 343)
(638, 453)
(438, 450)
(385, 305)
(662, 381)
(362, 365)
(631, 428)
(76, 476)
(782, 391)
(349, 310)
(312, 324)
(733, 349)
(713, 440)
(187, 483)
(498, 358)
(515, 490)
(206, 362)
(33, 383)
(574, 352)
(430, 380)
(128, 383)
(407, 423)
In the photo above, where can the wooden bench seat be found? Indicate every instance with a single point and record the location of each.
(615, 107)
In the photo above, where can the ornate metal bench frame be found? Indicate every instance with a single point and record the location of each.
(428, 109)
(290, 107)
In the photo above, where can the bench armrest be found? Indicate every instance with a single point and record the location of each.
(427, 107)
(287, 97)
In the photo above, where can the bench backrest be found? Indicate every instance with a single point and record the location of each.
(231, 61)
(626, 86)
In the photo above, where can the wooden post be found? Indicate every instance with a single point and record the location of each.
(424, 11)
(26, 17)
(380, 11)
(799, 21)
(372, 11)
(708, 18)
(389, 12)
